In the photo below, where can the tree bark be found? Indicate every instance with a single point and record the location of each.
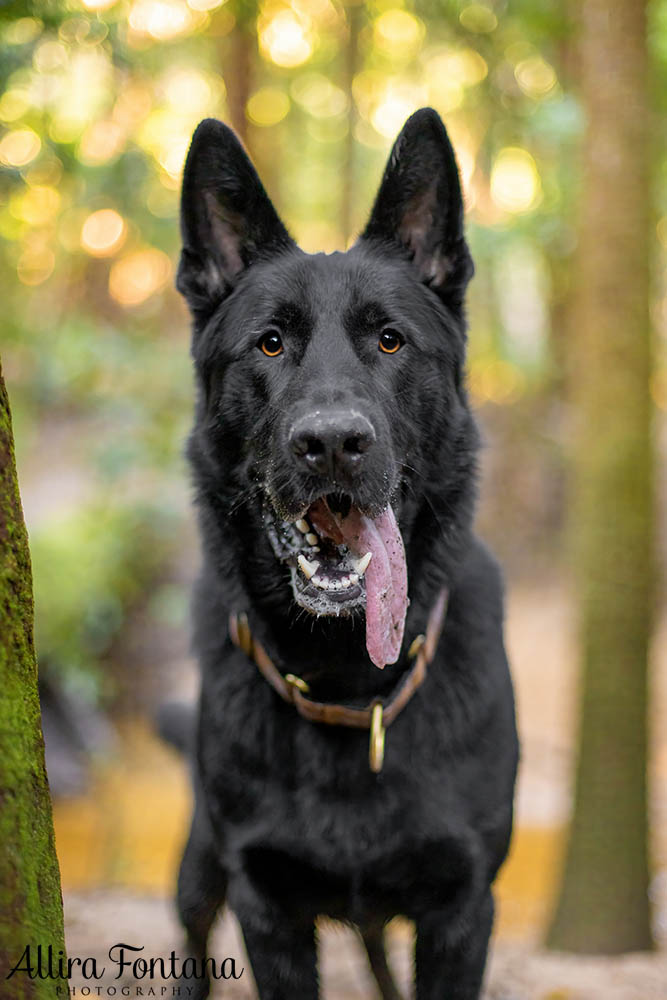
(237, 69)
(355, 17)
(603, 906)
(239, 66)
(30, 897)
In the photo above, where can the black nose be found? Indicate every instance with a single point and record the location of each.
(332, 442)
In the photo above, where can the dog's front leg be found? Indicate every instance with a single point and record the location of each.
(202, 885)
(452, 967)
(283, 959)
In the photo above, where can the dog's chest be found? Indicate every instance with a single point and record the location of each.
(316, 828)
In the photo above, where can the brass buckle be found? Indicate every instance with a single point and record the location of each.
(244, 634)
(376, 745)
(415, 646)
(298, 683)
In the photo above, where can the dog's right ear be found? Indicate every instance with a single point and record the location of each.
(227, 219)
(419, 207)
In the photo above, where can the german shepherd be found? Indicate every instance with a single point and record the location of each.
(356, 746)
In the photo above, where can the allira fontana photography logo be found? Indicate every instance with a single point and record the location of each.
(124, 962)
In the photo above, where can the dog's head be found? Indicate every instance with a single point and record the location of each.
(331, 407)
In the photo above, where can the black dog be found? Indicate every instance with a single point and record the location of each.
(334, 464)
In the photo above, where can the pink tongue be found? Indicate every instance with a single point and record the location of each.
(386, 576)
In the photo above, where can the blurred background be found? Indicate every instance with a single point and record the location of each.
(98, 101)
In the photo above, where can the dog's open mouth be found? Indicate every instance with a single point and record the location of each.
(341, 560)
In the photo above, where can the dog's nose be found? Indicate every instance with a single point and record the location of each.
(331, 441)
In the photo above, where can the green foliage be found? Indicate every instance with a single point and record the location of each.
(91, 568)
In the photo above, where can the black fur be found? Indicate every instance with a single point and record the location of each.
(290, 822)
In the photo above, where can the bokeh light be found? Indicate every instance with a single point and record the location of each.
(14, 104)
(35, 265)
(286, 39)
(161, 19)
(495, 381)
(205, 5)
(535, 76)
(22, 31)
(188, 91)
(478, 18)
(37, 206)
(77, 95)
(103, 233)
(173, 156)
(139, 275)
(19, 147)
(515, 181)
(319, 96)
(463, 67)
(98, 5)
(268, 106)
(398, 100)
(398, 33)
(101, 142)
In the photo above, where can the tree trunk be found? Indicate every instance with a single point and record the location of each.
(237, 70)
(238, 63)
(30, 898)
(355, 17)
(603, 906)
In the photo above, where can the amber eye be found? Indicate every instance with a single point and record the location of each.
(271, 344)
(390, 341)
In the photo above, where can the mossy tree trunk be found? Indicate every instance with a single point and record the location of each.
(603, 906)
(30, 899)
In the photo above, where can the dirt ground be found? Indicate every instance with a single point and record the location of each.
(119, 846)
(516, 972)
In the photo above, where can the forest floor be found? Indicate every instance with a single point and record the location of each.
(517, 971)
(119, 843)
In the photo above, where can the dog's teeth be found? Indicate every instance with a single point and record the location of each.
(311, 538)
(361, 565)
(307, 567)
(354, 578)
(303, 526)
(319, 582)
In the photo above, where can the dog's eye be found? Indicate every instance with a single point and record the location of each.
(271, 344)
(390, 341)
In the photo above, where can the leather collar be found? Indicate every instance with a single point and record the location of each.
(379, 714)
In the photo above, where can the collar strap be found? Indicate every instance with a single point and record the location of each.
(379, 714)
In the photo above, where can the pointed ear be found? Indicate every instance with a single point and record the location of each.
(227, 219)
(420, 208)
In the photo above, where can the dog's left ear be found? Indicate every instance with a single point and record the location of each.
(227, 219)
(420, 208)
